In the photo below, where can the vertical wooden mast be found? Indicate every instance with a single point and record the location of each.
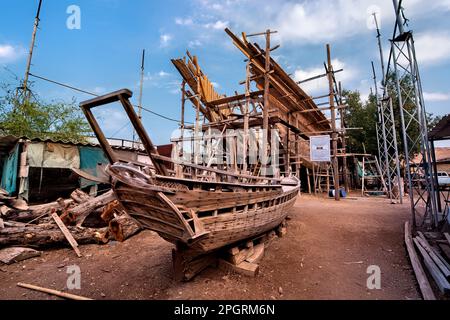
(333, 125)
(344, 142)
(246, 110)
(266, 97)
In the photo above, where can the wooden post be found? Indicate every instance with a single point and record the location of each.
(333, 126)
(53, 292)
(247, 101)
(344, 142)
(309, 180)
(314, 177)
(329, 173)
(266, 98)
(66, 233)
(362, 178)
(197, 114)
(181, 150)
(287, 165)
(424, 285)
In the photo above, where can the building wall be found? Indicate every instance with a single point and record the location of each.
(443, 167)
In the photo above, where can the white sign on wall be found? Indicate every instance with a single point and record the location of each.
(320, 148)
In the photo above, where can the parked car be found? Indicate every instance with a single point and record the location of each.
(443, 178)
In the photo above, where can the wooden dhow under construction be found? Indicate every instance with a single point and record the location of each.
(204, 208)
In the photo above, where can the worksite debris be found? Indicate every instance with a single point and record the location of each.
(84, 219)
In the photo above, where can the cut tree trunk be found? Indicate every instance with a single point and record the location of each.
(45, 235)
(123, 227)
(36, 211)
(80, 196)
(81, 211)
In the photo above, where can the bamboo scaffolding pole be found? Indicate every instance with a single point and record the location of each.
(266, 95)
(333, 125)
(344, 141)
(52, 292)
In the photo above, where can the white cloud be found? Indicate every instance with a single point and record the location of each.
(184, 22)
(364, 89)
(218, 25)
(195, 43)
(313, 21)
(432, 47)
(160, 80)
(114, 122)
(157, 76)
(436, 96)
(9, 53)
(165, 40)
(215, 85)
(321, 85)
(99, 90)
(163, 73)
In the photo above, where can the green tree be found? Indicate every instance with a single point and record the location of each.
(35, 118)
(361, 115)
(364, 115)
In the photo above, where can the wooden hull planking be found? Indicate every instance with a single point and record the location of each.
(206, 220)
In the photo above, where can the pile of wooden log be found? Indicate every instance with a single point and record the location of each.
(433, 251)
(82, 219)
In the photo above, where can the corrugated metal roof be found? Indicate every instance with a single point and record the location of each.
(442, 155)
(8, 142)
(441, 130)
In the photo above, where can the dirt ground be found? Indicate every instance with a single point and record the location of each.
(324, 255)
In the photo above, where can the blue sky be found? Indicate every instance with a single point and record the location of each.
(104, 55)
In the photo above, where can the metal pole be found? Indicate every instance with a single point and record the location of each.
(141, 86)
(30, 54)
(386, 114)
(398, 17)
(397, 158)
(386, 157)
(404, 135)
(333, 125)
(383, 80)
(426, 154)
(433, 155)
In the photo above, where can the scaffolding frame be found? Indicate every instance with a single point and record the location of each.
(387, 133)
(414, 127)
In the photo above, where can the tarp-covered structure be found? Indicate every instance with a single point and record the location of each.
(41, 170)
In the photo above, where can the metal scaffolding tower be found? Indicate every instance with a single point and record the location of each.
(403, 64)
(386, 132)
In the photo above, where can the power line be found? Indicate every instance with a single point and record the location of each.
(126, 125)
(63, 85)
(96, 95)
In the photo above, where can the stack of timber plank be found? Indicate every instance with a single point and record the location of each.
(244, 257)
(430, 253)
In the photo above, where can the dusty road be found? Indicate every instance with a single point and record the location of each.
(324, 255)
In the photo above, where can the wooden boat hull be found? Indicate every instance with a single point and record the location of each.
(204, 216)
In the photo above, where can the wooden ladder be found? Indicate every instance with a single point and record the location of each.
(370, 164)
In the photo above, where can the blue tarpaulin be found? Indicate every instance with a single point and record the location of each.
(90, 160)
(9, 174)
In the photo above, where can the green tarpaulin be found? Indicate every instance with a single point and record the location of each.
(91, 160)
(9, 174)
